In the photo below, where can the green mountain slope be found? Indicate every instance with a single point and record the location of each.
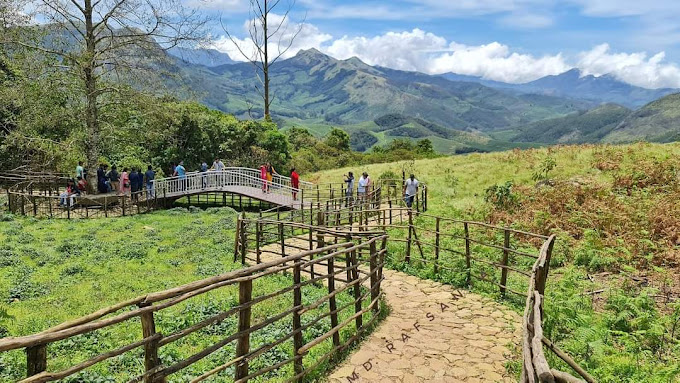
(586, 126)
(657, 121)
(316, 88)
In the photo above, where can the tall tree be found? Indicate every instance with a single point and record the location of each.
(270, 38)
(104, 42)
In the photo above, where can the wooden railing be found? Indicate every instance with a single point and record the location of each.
(362, 260)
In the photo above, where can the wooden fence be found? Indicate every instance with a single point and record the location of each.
(362, 258)
(472, 252)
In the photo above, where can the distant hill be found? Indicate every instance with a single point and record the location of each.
(314, 87)
(205, 57)
(573, 84)
(586, 126)
(657, 121)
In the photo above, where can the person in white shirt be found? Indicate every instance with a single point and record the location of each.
(362, 186)
(410, 190)
(218, 166)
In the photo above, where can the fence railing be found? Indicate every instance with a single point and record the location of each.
(326, 322)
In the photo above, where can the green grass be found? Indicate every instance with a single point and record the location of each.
(56, 270)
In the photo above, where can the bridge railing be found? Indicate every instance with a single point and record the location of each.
(331, 322)
(229, 177)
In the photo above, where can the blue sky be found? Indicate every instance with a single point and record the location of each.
(506, 40)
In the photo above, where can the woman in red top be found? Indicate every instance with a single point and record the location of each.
(294, 182)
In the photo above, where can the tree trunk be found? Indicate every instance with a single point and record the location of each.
(92, 145)
(265, 64)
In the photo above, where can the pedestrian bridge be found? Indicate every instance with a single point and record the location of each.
(40, 196)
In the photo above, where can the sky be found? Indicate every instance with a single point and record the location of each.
(513, 41)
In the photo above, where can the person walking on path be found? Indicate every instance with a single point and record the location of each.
(263, 176)
(410, 190)
(124, 182)
(150, 176)
(80, 170)
(349, 191)
(181, 172)
(294, 182)
(114, 178)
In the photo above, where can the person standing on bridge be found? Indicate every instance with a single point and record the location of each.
(134, 181)
(181, 172)
(204, 175)
(361, 189)
(410, 190)
(294, 182)
(218, 166)
(80, 170)
(270, 174)
(263, 177)
(150, 175)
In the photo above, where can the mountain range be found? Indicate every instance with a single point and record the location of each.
(458, 113)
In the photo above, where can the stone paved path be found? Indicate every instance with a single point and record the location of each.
(467, 341)
(461, 336)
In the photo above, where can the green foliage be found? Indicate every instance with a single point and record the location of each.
(337, 139)
(501, 196)
(544, 168)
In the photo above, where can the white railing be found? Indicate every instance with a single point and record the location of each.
(229, 179)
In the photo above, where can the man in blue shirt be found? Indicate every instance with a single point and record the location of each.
(182, 174)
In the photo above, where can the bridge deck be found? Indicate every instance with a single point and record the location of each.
(274, 198)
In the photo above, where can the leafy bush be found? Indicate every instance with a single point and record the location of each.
(501, 196)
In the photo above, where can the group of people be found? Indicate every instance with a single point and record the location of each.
(130, 181)
(365, 185)
(74, 187)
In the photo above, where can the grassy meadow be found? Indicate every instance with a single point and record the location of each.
(52, 271)
(613, 294)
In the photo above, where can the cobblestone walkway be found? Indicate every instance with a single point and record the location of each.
(434, 333)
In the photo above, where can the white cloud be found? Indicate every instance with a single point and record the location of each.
(633, 68)
(422, 51)
(426, 52)
(303, 36)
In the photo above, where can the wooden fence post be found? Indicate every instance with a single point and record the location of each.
(282, 240)
(467, 253)
(357, 289)
(436, 247)
(375, 287)
(389, 203)
(408, 239)
(123, 199)
(297, 322)
(245, 293)
(151, 360)
(506, 254)
(332, 304)
(244, 241)
(36, 359)
(106, 207)
(542, 275)
(258, 239)
(237, 239)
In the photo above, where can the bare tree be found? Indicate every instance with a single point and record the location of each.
(266, 28)
(105, 41)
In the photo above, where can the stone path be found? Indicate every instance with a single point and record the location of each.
(434, 333)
